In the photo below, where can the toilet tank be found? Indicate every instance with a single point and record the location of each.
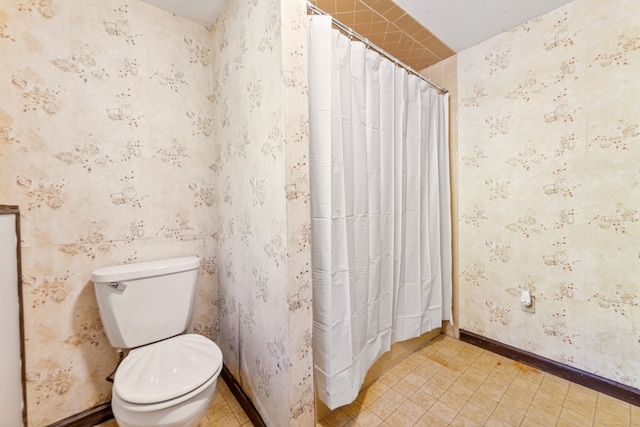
(146, 302)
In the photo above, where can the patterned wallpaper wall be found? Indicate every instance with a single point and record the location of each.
(549, 194)
(106, 127)
(261, 200)
(128, 134)
(296, 149)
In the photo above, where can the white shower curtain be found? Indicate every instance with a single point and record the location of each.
(381, 222)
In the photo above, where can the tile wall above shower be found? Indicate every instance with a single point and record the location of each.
(390, 27)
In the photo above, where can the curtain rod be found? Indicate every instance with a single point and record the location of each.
(350, 33)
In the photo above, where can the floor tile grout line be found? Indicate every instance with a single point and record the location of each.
(466, 400)
(464, 365)
(457, 412)
(564, 398)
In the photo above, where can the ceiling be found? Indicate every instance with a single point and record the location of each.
(203, 12)
(418, 33)
(463, 23)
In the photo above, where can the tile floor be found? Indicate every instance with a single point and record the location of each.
(224, 411)
(452, 383)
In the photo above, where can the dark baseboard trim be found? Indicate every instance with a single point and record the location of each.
(88, 418)
(603, 385)
(242, 398)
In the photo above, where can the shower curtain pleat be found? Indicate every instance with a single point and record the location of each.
(380, 210)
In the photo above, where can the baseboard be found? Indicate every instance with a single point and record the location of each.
(88, 418)
(242, 398)
(594, 382)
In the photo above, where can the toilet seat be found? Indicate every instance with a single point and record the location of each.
(167, 369)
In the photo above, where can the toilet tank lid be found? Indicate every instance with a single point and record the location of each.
(144, 269)
(167, 369)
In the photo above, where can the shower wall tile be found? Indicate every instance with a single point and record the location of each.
(390, 27)
(548, 187)
(105, 136)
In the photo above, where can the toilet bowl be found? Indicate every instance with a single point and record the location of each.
(168, 379)
(174, 413)
(166, 384)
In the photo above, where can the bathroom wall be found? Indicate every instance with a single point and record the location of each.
(106, 141)
(294, 80)
(549, 148)
(261, 200)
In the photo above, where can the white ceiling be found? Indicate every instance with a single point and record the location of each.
(463, 23)
(458, 23)
(203, 12)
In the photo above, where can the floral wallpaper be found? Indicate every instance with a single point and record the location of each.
(129, 134)
(262, 213)
(105, 132)
(549, 148)
(298, 211)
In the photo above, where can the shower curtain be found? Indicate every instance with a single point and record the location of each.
(381, 222)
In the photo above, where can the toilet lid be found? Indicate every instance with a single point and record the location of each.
(166, 369)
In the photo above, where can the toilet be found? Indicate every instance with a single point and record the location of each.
(168, 378)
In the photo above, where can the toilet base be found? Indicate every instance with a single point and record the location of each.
(184, 413)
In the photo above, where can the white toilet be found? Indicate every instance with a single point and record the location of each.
(167, 379)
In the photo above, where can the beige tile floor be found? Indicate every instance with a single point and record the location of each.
(452, 383)
(224, 411)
